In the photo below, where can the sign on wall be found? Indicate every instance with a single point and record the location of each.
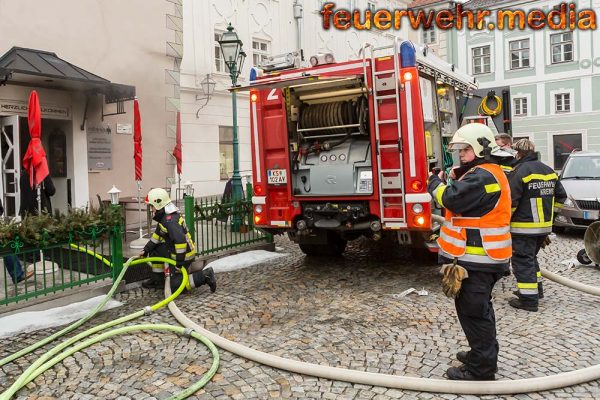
(125, 129)
(12, 107)
(99, 146)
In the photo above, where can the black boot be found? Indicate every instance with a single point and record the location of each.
(463, 374)
(520, 304)
(197, 279)
(156, 281)
(211, 280)
(463, 357)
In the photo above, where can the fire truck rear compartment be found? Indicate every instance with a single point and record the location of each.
(329, 138)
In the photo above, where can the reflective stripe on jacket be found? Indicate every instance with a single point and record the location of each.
(493, 226)
(171, 231)
(534, 187)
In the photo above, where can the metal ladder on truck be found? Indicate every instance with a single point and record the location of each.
(387, 184)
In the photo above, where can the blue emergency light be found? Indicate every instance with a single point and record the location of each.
(253, 74)
(408, 54)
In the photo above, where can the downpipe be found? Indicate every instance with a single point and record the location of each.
(405, 382)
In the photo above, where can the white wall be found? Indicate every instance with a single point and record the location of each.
(122, 41)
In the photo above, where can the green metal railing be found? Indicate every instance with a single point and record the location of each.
(59, 266)
(74, 261)
(211, 223)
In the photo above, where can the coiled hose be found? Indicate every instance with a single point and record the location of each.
(52, 357)
(404, 382)
(485, 110)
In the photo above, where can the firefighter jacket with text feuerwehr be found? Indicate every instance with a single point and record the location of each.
(476, 229)
(171, 231)
(535, 191)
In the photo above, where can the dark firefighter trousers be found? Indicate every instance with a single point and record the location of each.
(476, 315)
(526, 267)
(162, 250)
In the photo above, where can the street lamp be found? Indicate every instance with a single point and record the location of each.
(188, 188)
(114, 195)
(234, 56)
(207, 85)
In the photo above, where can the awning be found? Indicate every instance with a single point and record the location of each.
(36, 68)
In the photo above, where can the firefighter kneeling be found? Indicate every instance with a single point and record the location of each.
(475, 238)
(171, 239)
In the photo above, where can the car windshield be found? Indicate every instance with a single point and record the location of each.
(582, 167)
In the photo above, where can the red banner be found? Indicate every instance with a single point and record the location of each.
(177, 149)
(34, 161)
(137, 140)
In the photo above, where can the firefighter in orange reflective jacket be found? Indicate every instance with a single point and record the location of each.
(476, 233)
(172, 240)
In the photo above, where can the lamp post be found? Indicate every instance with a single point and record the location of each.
(234, 56)
(115, 238)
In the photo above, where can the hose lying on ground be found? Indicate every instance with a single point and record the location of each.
(402, 382)
(582, 287)
(45, 362)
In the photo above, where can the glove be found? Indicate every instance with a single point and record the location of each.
(547, 242)
(453, 275)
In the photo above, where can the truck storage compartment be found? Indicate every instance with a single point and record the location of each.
(330, 144)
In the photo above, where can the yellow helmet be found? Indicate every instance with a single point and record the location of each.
(474, 135)
(158, 198)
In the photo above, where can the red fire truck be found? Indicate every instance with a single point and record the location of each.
(341, 150)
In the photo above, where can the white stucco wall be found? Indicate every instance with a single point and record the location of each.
(122, 41)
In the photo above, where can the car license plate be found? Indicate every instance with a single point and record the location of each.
(276, 176)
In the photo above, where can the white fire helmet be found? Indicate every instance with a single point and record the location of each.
(472, 135)
(158, 198)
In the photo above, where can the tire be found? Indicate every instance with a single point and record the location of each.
(310, 249)
(583, 258)
(558, 229)
(335, 247)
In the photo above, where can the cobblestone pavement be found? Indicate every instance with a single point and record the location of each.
(337, 312)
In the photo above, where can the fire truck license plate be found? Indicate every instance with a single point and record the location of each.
(276, 176)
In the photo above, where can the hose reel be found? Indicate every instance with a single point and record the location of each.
(336, 114)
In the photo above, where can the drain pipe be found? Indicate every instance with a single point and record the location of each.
(298, 15)
(403, 382)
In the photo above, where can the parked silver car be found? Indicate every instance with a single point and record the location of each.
(581, 179)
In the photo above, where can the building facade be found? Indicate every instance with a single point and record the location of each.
(267, 28)
(554, 78)
(442, 42)
(87, 60)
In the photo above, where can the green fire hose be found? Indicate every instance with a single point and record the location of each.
(52, 357)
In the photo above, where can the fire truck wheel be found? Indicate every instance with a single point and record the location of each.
(335, 246)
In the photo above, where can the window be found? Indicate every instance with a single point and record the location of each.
(219, 61)
(562, 103)
(561, 45)
(225, 152)
(371, 6)
(520, 106)
(519, 54)
(481, 60)
(260, 51)
(428, 36)
(564, 145)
